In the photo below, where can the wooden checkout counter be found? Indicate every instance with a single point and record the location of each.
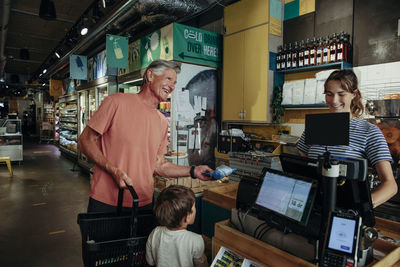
(224, 196)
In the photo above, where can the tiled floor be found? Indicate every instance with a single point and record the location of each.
(38, 209)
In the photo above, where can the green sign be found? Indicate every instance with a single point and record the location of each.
(117, 51)
(150, 48)
(196, 46)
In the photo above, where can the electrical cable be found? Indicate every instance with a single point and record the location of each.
(261, 230)
(240, 221)
(255, 231)
(266, 230)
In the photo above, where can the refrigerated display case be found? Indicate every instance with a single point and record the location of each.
(68, 125)
(47, 126)
(11, 143)
(90, 96)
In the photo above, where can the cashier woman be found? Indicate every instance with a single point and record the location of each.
(366, 140)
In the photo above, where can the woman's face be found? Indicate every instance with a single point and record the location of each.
(337, 98)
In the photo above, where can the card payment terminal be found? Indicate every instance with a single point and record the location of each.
(341, 240)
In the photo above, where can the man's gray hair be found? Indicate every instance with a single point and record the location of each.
(158, 67)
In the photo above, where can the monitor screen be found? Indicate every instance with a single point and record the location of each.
(329, 129)
(287, 195)
(341, 235)
(303, 166)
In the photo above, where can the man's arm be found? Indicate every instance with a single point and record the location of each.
(88, 145)
(168, 169)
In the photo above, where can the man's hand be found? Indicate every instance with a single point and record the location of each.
(200, 170)
(120, 177)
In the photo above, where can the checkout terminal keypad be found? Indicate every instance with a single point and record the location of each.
(334, 260)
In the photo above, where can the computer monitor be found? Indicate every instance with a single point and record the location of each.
(329, 129)
(299, 165)
(285, 201)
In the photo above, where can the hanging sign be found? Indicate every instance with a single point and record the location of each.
(56, 88)
(78, 67)
(196, 45)
(117, 51)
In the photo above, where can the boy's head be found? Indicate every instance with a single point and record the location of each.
(174, 204)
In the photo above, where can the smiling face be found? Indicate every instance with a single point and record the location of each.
(161, 85)
(337, 98)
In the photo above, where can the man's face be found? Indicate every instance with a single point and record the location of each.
(162, 85)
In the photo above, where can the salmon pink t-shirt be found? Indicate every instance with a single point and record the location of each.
(132, 135)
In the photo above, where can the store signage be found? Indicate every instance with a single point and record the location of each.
(174, 42)
(78, 67)
(56, 88)
(196, 46)
(117, 51)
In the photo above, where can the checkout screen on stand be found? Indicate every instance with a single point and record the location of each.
(284, 195)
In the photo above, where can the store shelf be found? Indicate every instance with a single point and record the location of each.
(68, 128)
(341, 65)
(68, 109)
(11, 143)
(68, 151)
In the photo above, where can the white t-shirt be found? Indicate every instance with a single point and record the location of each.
(178, 248)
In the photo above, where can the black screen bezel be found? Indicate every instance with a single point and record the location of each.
(356, 218)
(310, 201)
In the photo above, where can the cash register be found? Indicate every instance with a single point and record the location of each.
(303, 199)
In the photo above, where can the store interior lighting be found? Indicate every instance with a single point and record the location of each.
(57, 54)
(84, 28)
(44, 71)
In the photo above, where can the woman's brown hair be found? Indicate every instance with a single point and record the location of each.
(349, 82)
(173, 204)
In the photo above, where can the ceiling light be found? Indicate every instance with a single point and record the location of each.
(43, 84)
(47, 10)
(84, 30)
(57, 54)
(44, 71)
(40, 75)
(84, 26)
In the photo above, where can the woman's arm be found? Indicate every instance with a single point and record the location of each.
(388, 186)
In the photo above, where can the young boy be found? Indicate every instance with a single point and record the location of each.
(170, 244)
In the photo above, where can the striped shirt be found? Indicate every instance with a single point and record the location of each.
(366, 141)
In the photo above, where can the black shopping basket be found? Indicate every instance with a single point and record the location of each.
(116, 239)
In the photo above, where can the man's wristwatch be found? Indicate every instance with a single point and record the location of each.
(192, 172)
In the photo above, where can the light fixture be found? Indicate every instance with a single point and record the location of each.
(106, 3)
(47, 10)
(57, 54)
(43, 84)
(44, 71)
(84, 28)
(40, 75)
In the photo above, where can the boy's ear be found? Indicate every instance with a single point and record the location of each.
(184, 220)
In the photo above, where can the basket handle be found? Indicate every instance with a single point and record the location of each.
(135, 197)
(135, 205)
